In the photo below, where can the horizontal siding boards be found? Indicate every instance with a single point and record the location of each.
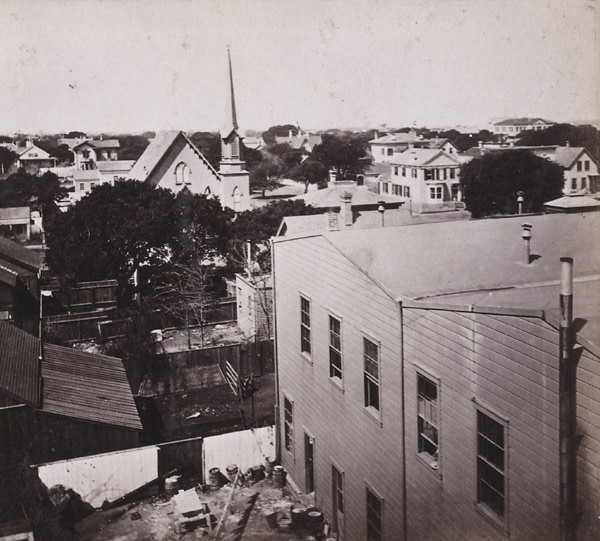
(344, 432)
(588, 425)
(494, 360)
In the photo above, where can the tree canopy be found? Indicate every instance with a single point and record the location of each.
(7, 158)
(490, 183)
(209, 143)
(309, 172)
(22, 189)
(117, 230)
(559, 134)
(281, 130)
(346, 154)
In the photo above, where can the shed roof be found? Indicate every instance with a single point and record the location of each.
(87, 386)
(481, 263)
(113, 166)
(13, 251)
(330, 197)
(19, 353)
(451, 257)
(15, 213)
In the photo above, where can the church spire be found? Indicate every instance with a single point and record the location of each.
(231, 114)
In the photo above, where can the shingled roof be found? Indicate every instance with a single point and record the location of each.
(19, 361)
(87, 386)
(11, 251)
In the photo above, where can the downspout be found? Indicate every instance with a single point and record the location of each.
(403, 416)
(567, 406)
(275, 358)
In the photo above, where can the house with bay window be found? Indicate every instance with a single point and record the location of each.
(425, 387)
(428, 178)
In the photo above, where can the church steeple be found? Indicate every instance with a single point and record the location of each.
(231, 148)
(232, 169)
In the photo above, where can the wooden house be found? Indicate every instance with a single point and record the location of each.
(19, 269)
(57, 403)
(419, 372)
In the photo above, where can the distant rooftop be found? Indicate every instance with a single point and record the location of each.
(522, 121)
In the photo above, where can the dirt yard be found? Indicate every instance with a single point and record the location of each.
(154, 518)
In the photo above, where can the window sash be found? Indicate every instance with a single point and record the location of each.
(288, 416)
(374, 517)
(305, 344)
(490, 464)
(335, 348)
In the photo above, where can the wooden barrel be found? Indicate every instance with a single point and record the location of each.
(172, 484)
(298, 517)
(269, 465)
(279, 475)
(215, 479)
(232, 471)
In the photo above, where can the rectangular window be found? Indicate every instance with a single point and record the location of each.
(452, 172)
(337, 498)
(573, 184)
(335, 348)
(579, 165)
(427, 417)
(583, 183)
(406, 191)
(428, 174)
(414, 172)
(395, 171)
(404, 171)
(371, 374)
(374, 517)
(92, 184)
(390, 151)
(115, 178)
(304, 325)
(81, 186)
(586, 165)
(288, 423)
(384, 187)
(490, 464)
(435, 192)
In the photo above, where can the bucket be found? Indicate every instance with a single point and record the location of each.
(279, 475)
(269, 465)
(258, 473)
(215, 479)
(298, 517)
(172, 484)
(232, 471)
(314, 519)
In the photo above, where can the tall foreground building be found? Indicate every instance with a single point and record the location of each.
(430, 383)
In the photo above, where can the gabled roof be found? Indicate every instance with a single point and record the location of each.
(567, 156)
(10, 272)
(156, 151)
(571, 203)
(397, 138)
(11, 251)
(416, 157)
(43, 155)
(100, 143)
(19, 358)
(87, 386)
(522, 121)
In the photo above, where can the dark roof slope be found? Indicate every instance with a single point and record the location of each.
(16, 253)
(87, 386)
(19, 354)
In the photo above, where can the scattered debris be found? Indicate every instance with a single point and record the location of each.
(135, 515)
(194, 415)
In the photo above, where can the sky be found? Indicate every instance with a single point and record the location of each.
(136, 65)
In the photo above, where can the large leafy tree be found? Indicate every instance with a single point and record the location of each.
(309, 172)
(281, 130)
(22, 189)
(7, 158)
(209, 143)
(111, 233)
(491, 183)
(259, 225)
(344, 153)
(560, 134)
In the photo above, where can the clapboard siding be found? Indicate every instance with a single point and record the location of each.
(493, 360)
(588, 425)
(334, 417)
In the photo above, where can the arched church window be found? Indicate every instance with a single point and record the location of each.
(182, 173)
(237, 199)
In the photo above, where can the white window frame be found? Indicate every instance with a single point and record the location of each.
(370, 379)
(428, 421)
(335, 348)
(288, 424)
(483, 462)
(381, 502)
(305, 326)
